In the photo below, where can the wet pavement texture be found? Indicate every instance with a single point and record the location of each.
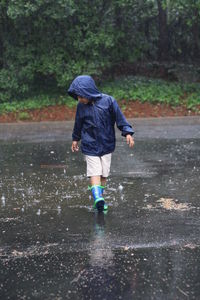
(53, 245)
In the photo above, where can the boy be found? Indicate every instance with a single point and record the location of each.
(96, 115)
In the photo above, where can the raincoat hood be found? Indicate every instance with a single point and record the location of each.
(84, 86)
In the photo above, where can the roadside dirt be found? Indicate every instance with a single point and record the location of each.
(131, 109)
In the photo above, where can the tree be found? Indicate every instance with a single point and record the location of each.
(47, 42)
(163, 41)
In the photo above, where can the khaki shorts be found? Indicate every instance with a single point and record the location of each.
(98, 165)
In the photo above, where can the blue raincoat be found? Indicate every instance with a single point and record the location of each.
(95, 121)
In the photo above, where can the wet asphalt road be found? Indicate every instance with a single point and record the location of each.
(54, 246)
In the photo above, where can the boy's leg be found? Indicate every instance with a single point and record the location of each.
(101, 166)
(99, 183)
(105, 162)
(95, 180)
(98, 180)
(103, 181)
(94, 171)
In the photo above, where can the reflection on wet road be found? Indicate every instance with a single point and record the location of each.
(54, 246)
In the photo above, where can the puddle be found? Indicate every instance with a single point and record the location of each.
(51, 235)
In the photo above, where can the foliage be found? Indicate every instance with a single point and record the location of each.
(123, 88)
(154, 91)
(23, 115)
(36, 102)
(46, 42)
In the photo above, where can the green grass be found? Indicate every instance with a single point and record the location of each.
(126, 88)
(154, 91)
(36, 102)
(23, 115)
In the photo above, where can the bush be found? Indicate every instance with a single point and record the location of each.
(123, 88)
(154, 91)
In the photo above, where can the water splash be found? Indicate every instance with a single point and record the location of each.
(38, 213)
(3, 201)
(120, 187)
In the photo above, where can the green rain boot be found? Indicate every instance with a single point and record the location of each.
(98, 198)
(102, 191)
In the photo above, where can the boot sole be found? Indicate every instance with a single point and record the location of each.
(100, 205)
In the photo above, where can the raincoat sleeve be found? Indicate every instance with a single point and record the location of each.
(76, 135)
(121, 121)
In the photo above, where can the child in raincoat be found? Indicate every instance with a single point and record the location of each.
(96, 116)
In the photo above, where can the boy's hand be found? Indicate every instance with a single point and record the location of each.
(129, 140)
(75, 146)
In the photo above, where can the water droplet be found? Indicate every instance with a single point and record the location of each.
(120, 187)
(59, 209)
(3, 200)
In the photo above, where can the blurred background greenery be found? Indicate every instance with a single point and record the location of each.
(147, 50)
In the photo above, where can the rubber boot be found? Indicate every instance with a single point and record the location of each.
(102, 188)
(102, 191)
(98, 198)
